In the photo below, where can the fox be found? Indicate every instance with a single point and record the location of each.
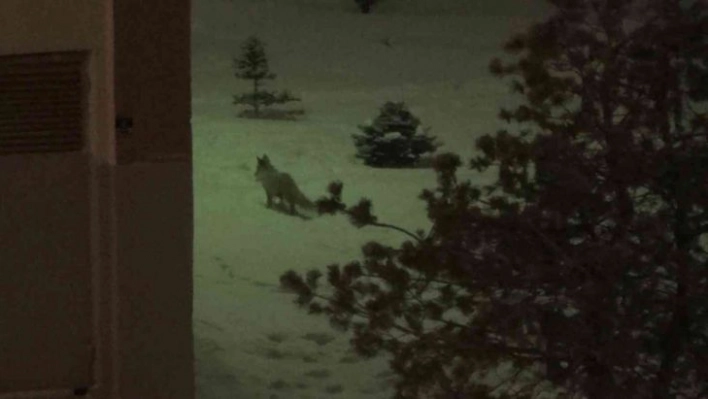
(280, 185)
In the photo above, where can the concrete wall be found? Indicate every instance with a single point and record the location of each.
(55, 311)
(152, 87)
(95, 264)
(154, 247)
(46, 313)
(37, 26)
(154, 198)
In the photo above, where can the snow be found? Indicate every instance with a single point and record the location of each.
(251, 341)
(392, 136)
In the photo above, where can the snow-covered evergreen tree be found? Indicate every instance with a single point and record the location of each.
(395, 138)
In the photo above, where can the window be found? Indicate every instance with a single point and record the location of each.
(42, 102)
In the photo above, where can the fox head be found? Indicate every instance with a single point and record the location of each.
(263, 165)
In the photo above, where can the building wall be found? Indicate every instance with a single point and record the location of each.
(151, 63)
(154, 197)
(154, 210)
(95, 277)
(37, 26)
(47, 335)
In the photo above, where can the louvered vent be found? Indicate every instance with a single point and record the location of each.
(42, 97)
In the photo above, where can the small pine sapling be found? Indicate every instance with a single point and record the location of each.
(253, 66)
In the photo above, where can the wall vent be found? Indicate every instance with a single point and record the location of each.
(42, 102)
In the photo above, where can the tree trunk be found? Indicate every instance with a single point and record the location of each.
(256, 104)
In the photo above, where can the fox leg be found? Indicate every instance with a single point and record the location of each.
(269, 200)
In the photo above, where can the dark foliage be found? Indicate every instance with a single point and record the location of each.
(584, 267)
(394, 139)
(253, 66)
(365, 5)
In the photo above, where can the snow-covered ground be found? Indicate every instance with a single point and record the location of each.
(251, 340)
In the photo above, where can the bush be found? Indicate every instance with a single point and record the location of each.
(394, 138)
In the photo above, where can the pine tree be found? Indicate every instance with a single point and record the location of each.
(584, 267)
(394, 138)
(253, 65)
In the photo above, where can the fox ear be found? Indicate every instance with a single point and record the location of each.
(265, 157)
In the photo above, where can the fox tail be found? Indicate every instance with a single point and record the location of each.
(302, 200)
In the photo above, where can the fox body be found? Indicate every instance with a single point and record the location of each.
(280, 185)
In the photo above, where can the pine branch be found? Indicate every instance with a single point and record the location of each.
(390, 226)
